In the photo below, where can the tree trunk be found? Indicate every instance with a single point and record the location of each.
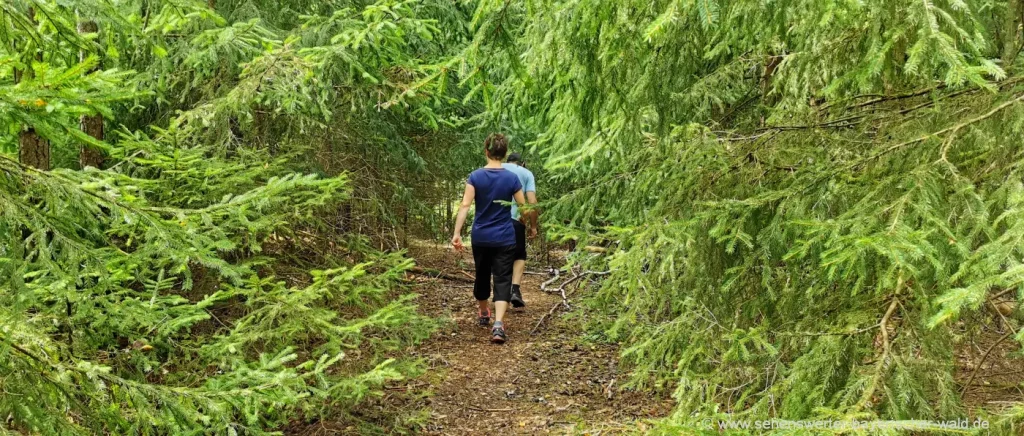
(405, 228)
(90, 156)
(1013, 19)
(92, 125)
(449, 219)
(346, 218)
(33, 150)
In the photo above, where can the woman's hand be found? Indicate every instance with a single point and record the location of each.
(460, 218)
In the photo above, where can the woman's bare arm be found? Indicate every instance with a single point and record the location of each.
(520, 198)
(460, 219)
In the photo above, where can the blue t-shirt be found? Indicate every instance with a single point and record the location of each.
(492, 225)
(526, 178)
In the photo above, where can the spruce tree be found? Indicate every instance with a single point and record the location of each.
(156, 293)
(808, 205)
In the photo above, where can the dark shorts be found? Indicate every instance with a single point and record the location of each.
(496, 263)
(520, 240)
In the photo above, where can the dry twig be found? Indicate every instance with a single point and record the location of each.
(983, 358)
(478, 409)
(886, 346)
(437, 274)
(549, 281)
(608, 392)
(561, 290)
(1011, 330)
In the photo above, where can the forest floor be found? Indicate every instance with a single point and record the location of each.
(553, 381)
(557, 382)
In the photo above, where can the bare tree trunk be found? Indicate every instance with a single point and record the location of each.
(405, 227)
(33, 150)
(90, 156)
(1012, 22)
(346, 218)
(892, 74)
(449, 219)
(92, 125)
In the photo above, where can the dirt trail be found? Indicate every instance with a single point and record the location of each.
(552, 382)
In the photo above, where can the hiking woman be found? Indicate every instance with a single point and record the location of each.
(493, 236)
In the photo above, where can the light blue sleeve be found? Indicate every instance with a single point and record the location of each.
(531, 184)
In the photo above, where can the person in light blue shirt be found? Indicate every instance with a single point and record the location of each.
(526, 222)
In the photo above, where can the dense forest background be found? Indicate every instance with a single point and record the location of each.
(807, 208)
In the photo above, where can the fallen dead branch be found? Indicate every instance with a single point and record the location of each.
(886, 348)
(1010, 331)
(478, 409)
(406, 387)
(561, 290)
(438, 274)
(549, 281)
(543, 318)
(577, 276)
(982, 361)
(1003, 292)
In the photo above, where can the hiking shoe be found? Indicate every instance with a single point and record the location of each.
(484, 319)
(517, 299)
(498, 335)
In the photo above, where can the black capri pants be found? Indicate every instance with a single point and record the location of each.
(496, 261)
(520, 239)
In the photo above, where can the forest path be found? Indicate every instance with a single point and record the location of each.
(552, 382)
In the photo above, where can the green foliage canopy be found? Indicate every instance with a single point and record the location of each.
(142, 297)
(808, 203)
